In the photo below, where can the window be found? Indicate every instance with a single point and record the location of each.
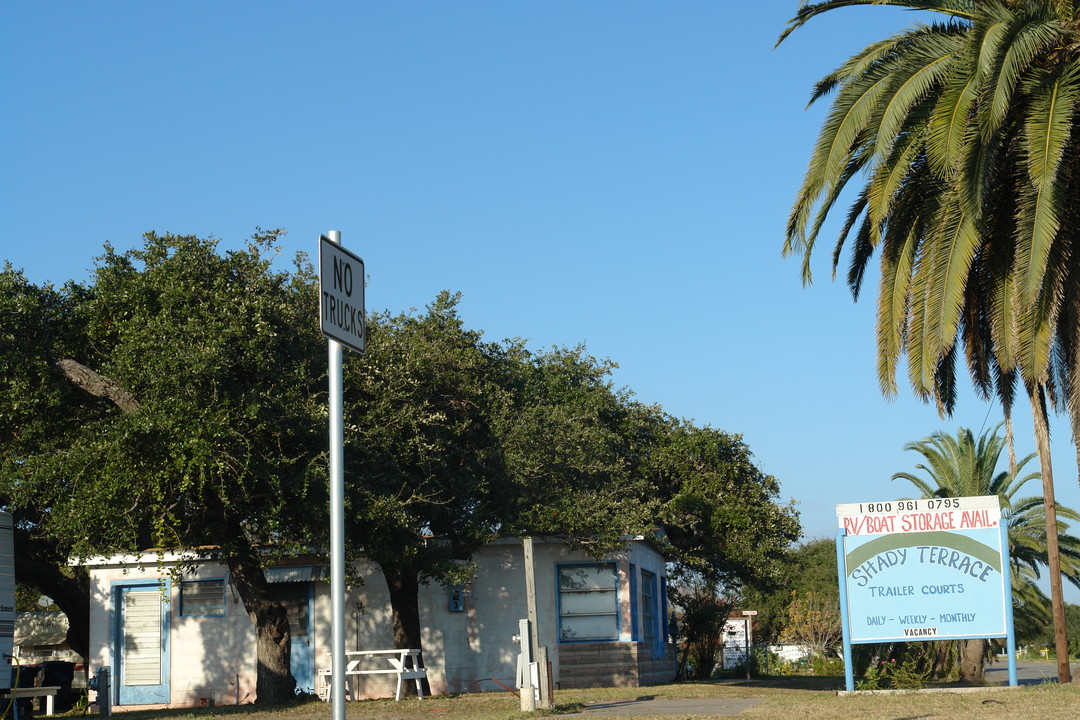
(648, 606)
(202, 598)
(588, 602)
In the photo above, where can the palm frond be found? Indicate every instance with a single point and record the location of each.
(950, 120)
(959, 9)
(1048, 127)
(929, 60)
(1010, 44)
(954, 244)
(893, 300)
(861, 254)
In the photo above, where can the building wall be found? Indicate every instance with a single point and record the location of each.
(476, 644)
(210, 657)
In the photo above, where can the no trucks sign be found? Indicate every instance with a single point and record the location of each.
(341, 295)
(926, 569)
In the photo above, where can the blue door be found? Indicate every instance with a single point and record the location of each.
(297, 599)
(142, 644)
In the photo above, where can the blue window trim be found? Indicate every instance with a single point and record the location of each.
(659, 629)
(180, 597)
(663, 619)
(618, 602)
(635, 623)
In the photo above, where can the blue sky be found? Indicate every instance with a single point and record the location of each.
(613, 173)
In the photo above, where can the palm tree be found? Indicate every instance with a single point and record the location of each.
(963, 129)
(962, 466)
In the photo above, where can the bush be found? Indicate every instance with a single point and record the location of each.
(771, 663)
(908, 674)
(826, 666)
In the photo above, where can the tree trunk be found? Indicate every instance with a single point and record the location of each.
(1012, 445)
(274, 682)
(972, 660)
(944, 656)
(405, 611)
(1037, 396)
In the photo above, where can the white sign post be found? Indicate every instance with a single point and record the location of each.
(341, 319)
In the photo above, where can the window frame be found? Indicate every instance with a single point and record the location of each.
(201, 613)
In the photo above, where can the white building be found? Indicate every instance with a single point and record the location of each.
(187, 642)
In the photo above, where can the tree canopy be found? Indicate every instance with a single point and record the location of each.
(178, 400)
(183, 415)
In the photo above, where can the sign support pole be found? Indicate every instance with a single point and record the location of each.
(845, 625)
(337, 523)
(746, 637)
(1010, 629)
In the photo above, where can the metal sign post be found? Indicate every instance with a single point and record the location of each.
(748, 616)
(341, 319)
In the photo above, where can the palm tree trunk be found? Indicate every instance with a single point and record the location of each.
(1037, 395)
(1009, 438)
(973, 661)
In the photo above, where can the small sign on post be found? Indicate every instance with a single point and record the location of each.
(341, 295)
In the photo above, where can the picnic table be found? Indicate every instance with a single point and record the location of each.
(404, 663)
(48, 692)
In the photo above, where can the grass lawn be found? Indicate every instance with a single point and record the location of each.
(782, 698)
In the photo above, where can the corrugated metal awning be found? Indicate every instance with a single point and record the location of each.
(300, 573)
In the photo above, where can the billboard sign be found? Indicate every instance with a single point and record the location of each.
(925, 569)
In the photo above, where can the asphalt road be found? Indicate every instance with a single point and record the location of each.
(1027, 673)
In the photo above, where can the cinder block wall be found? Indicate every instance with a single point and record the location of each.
(613, 664)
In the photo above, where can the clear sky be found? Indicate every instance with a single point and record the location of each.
(613, 173)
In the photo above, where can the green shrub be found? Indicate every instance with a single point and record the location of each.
(769, 663)
(911, 673)
(875, 678)
(908, 674)
(826, 666)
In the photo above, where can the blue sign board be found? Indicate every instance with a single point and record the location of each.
(925, 569)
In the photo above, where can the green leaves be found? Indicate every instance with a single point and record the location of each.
(966, 466)
(450, 440)
(219, 352)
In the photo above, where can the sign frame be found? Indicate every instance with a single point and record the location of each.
(923, 569)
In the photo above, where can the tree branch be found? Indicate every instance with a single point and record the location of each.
(98, 385)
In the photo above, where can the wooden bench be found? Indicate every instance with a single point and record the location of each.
(404, 663)
(48, 692)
